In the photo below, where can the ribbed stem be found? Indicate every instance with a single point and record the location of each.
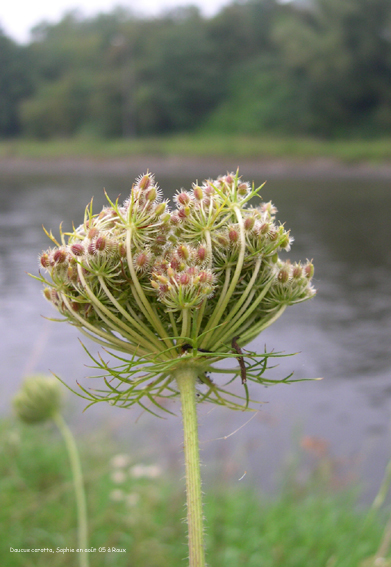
(82, 529)
(186, 380)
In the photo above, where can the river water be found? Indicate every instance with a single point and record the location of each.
(343, 335)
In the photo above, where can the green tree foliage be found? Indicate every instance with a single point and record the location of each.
(341, 52)
(304, 67)
(328, 73)
(178, 76)
(15, 84)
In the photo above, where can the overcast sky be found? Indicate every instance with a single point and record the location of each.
(17, 17)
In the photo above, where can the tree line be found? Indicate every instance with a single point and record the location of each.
(307, 67)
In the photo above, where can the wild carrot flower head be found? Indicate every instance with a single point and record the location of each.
(168, 288)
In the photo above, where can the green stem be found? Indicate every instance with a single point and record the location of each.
(186, 379)
(242, 316)
(384, 544)
(107, 335)
(209, 327)
(239, 265)
(146, 307)
(148, 336)
(77, 474)
(383, 490)
(239, 303)
(185, 324)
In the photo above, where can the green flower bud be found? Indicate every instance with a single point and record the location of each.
(151, 194)
(198, 193)
(39, 399)
(309, 270)
(160, 210)
(47, 293)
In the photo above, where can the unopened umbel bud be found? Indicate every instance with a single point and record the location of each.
(283, 275)
(183, 198)
(201, 253)
(160, 210)
(242, 189)
(151, 194)
(183, 252)
(198, 193)
(233, 235)
(145, 181)
(249, 223)
(77, 249)
(184, 279)
(100, 243)
(297, 272)
(44, 259)
(39, 399)
(309, 270)
(59, 256)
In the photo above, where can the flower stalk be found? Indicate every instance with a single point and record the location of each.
(186, 378)
(39, 400)
(78, 483)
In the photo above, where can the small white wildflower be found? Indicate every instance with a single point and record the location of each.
(120, 461)
(153, 471)
(118, 477)
(132, 499)
(145, 471)
(137, 471)
(117, 495)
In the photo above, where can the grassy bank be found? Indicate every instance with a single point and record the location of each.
(140, 508)
(245, 147)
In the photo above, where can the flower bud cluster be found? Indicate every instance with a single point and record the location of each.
(98, 251)
(182, 278)
(292, 285)
(126, 275)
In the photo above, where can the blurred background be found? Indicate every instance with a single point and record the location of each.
(296, 93)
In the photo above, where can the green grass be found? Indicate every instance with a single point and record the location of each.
(301, 527)
(205, 146)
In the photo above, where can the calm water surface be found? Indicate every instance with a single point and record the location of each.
(343, 335)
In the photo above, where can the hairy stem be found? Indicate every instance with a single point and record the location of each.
(77, 475)
(186, 379)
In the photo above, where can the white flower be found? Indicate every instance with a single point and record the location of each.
(145, 471)
(120, 461)
(118, 477)
(117, 495)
